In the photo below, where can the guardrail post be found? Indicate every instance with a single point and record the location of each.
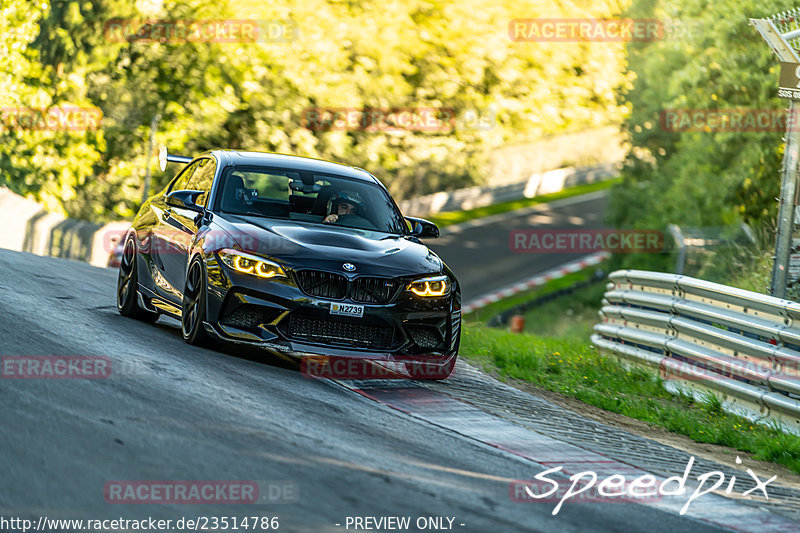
(790, 182)
(675, 231)
(789, 189)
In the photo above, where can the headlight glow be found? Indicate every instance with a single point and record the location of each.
(250, 264)
(430, 287)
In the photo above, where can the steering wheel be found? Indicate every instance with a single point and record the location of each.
(356, 221)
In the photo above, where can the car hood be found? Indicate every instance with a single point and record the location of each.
(306, 245)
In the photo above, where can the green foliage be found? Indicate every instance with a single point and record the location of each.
(700, 178)
(363, 54)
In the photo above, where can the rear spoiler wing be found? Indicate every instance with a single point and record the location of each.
(165, 157)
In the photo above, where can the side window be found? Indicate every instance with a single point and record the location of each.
(182, 180)
(202, 178)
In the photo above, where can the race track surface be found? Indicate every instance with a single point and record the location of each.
(169, 411)
(480, 255)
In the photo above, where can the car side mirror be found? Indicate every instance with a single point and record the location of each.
(186, 199)
(423, 229)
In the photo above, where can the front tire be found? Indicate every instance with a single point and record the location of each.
(193, 312)
(127, 286)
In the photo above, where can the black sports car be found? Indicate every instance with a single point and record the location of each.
(301, 256)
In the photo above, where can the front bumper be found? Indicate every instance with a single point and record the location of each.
(279, 316)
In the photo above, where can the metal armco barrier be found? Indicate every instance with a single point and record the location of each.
(25, 226)
(537, 185)
(708, 338)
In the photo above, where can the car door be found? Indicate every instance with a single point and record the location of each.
(181, 226)
(165, 239)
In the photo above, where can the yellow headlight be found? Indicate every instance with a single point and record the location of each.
(268, 270)
(249, 264)
(430, 287)
(243, 264)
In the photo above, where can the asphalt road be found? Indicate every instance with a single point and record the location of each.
(482, 259)
(175, 412)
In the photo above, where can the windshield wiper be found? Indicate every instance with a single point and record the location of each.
(254, 213)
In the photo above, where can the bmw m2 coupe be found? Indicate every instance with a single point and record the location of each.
(297, 255)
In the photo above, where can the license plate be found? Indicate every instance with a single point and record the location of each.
(347, 310)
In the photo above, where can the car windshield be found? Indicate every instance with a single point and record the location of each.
(309, 197)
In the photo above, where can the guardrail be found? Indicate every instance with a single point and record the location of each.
(538, 184)
(25, 226)
(705, 338)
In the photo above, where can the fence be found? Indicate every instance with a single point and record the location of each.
(707, 338)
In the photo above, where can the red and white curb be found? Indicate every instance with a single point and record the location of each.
(536, 281)
(478, 425)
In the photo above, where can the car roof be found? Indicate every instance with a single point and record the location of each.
(293, 162)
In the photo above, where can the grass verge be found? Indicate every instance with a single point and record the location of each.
(569, 317)
(572, 367)
(454, 217)
(555, 355)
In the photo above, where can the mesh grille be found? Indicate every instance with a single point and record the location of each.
(786, 22)
(322, 284)
(340, 332)
(426, 337)
(248, 316)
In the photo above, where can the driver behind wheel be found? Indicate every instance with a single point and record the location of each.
(341, 205)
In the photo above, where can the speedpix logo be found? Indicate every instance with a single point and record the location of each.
(551, 486)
